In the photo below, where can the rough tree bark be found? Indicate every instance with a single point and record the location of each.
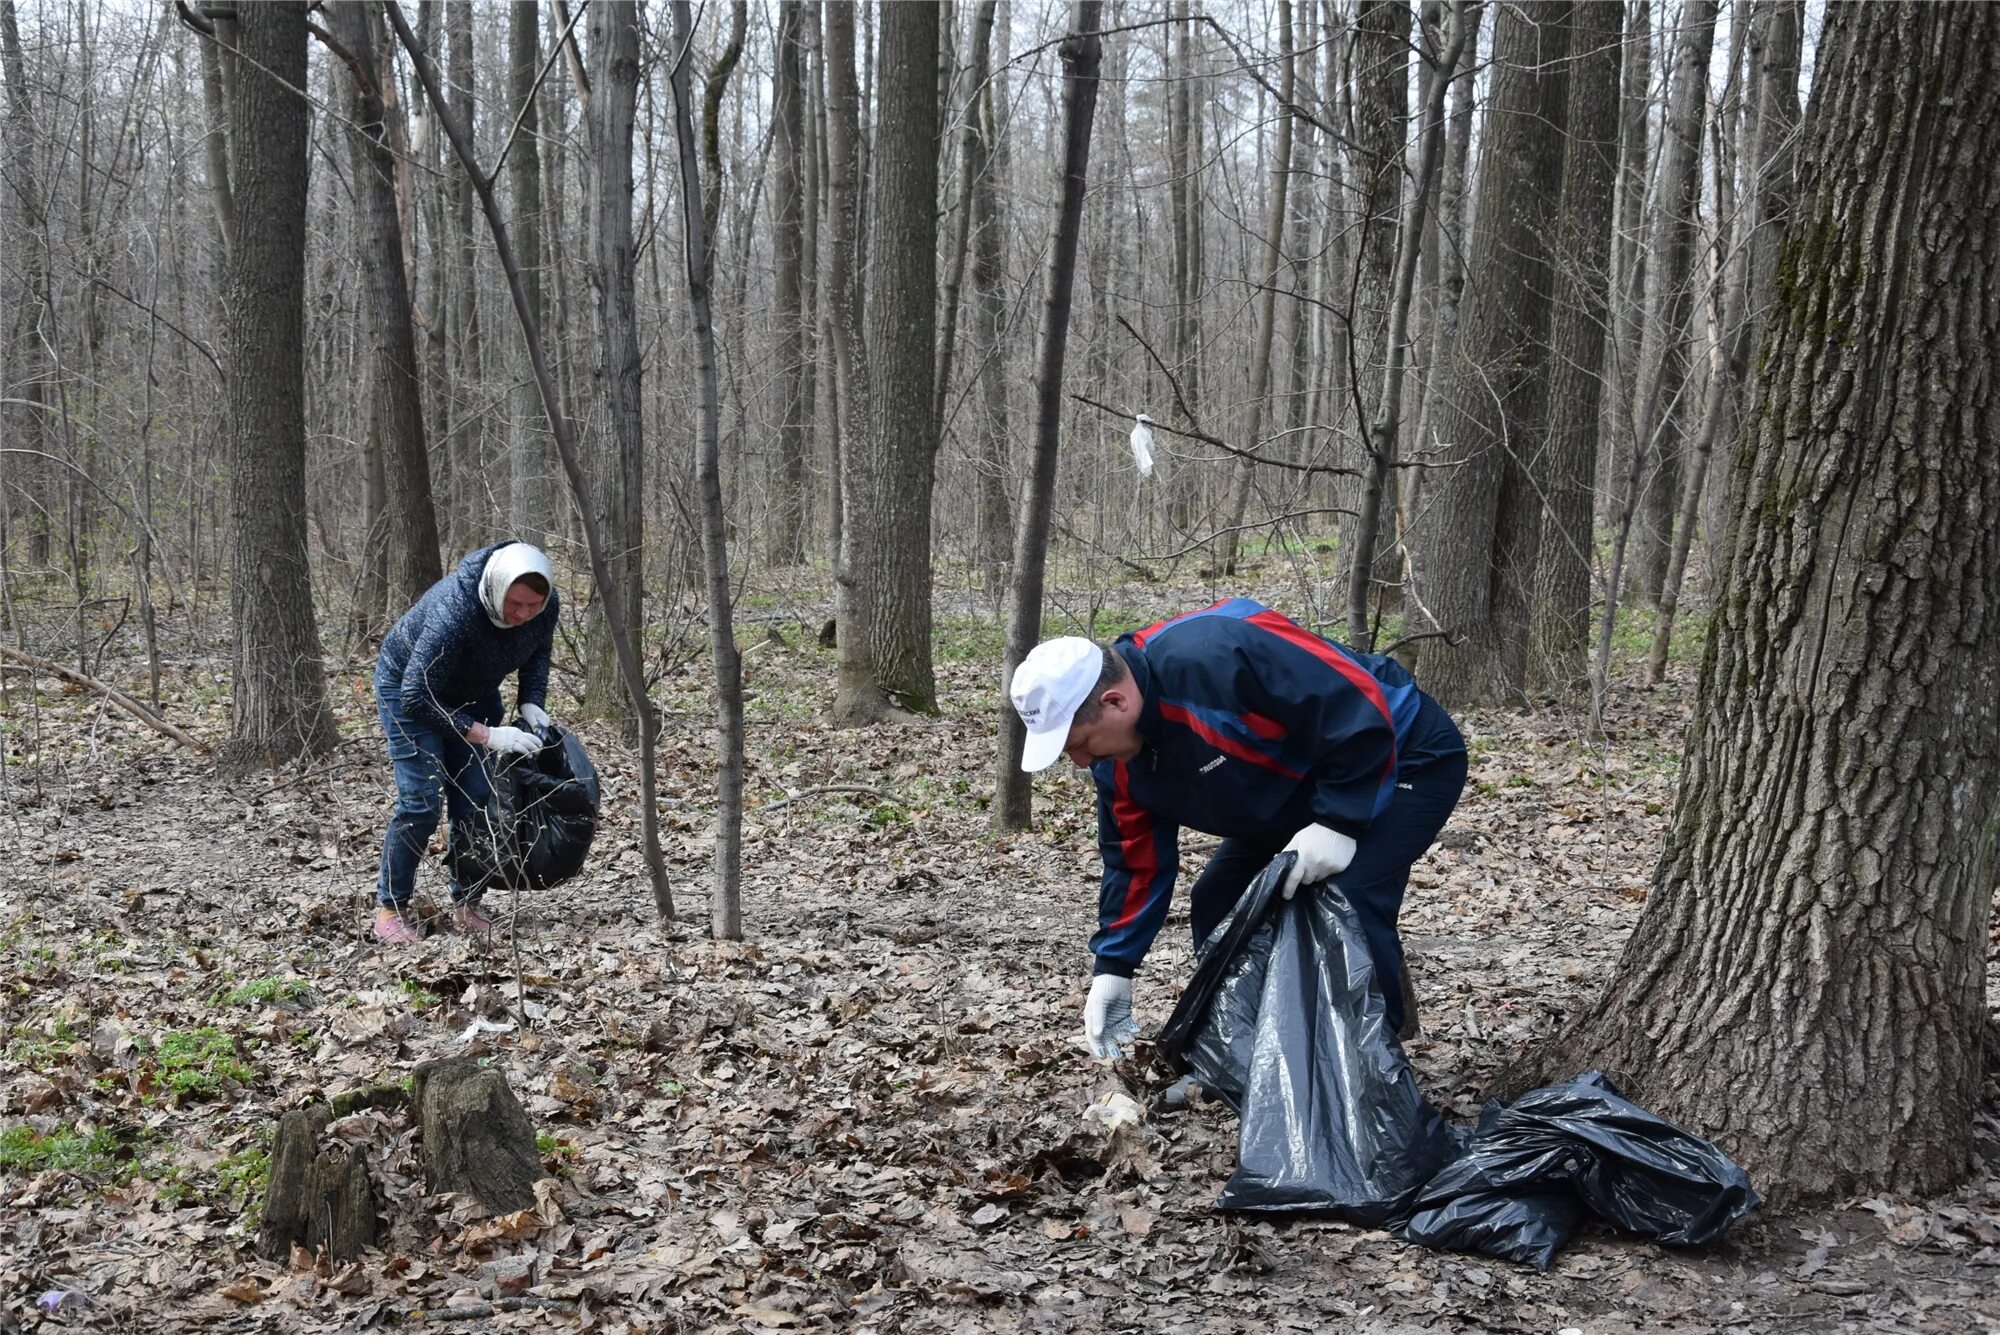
(278, 689)
(1081, 51)
(986, 161)
(395, 393)
(885, 657)
(789, 311)
(621, 447)
(1559, 621)
(529, 494)
(1476, 542)
(1806, 984)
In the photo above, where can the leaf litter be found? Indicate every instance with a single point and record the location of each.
(874, 1114)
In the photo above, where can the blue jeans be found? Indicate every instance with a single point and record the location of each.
(1428, 784)
(432, 769)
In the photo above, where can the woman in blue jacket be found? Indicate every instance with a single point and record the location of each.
(437, 688)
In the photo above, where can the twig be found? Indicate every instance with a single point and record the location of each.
(477, 1311)
(875, 793)
(111, 693)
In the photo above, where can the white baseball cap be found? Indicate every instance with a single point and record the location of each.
(1052, 682)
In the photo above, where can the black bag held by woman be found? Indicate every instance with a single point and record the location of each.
(538, 830)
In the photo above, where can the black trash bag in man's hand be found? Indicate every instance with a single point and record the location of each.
(1534, 1166)
(537, 830)
(1284, 1023)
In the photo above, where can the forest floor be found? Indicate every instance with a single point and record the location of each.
(865, 1116)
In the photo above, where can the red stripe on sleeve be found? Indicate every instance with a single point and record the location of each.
(1357, 676)
(1135, 841)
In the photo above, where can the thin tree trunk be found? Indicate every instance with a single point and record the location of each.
(1386, 428)
(789, 312)
(726, 905)
(395, 397)
(1267, 306)
(529, 496)
(1081, 51)
(471, 455)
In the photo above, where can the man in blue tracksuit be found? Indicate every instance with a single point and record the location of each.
(1238, 722)
(437, 688)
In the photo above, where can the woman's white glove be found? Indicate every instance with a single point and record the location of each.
(1108, 1025)
(1322, 853)
(515, 741)
(535, 717)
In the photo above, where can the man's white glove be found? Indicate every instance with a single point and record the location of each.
(535, 717)
(1108, 1025)
(1322, 853)
(516, 741)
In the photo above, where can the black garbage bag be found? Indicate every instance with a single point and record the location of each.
(1533, 1167)
(1283, 1021)
(537, 830)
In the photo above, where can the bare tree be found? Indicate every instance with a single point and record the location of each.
(726, 907)
(1806, 984)
(278, 690)
(1559, 631)
(395, 394)
(886, 543)
(1081, 51)
(26, 369)
(1476, 547)
(789, 312)
(529, 499)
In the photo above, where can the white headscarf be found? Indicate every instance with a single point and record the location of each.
(503, 569)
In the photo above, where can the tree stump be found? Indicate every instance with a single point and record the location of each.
(316, 1198)
(477, 1139)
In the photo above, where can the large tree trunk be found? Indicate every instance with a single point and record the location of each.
(278, 710)
(789, 309)
(1477, 539)
(614, 55)
(395, 395)
(1081, 50)
(885, 654)
(1807, 982)
(530, 496)
(1559, 626)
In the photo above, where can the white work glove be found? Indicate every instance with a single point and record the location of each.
(514, 741)
(1108, 1025)
(535, 717)
(1322, 853)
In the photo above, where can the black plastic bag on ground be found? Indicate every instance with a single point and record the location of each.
(538, 829)
(1283, 1021)
(1534, 1166)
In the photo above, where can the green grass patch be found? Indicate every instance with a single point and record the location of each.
(195, 1063)
(25, 1150)
(262, 990)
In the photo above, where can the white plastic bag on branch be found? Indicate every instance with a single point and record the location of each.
(1142, 445)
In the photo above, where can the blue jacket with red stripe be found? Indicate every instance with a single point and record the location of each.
(1254, 728)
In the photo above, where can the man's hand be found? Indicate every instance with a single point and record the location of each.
(1107, 1017)
(535, 717)
(517, 741)
(1322, 853)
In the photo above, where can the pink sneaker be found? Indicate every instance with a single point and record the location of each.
(471, 919)
(397, 928)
